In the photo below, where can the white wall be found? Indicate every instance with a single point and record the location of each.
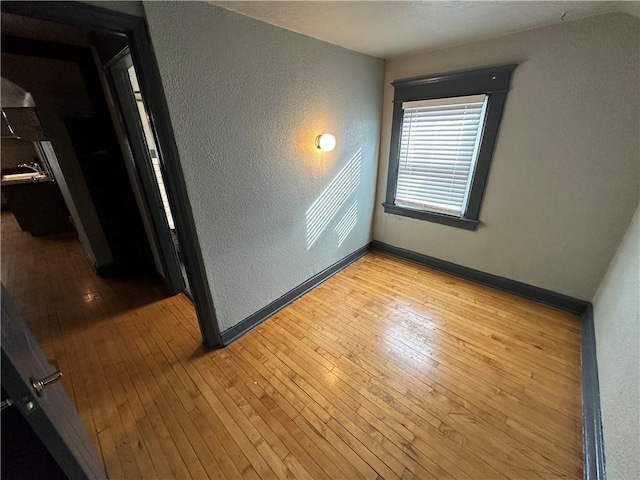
(565, 177)
(246, 101)
(616, 312)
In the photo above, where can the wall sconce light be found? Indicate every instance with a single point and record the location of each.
(325, 142)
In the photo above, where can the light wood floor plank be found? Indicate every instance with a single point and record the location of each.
(386, 370)
(412, 340)
(433, 376)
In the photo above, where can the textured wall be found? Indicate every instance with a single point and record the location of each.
(616, 309)
(565, 177)
(246, 101)
(123, 6)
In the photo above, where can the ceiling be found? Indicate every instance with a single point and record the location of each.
(391, 28)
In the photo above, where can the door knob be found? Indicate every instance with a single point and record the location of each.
(38, 385)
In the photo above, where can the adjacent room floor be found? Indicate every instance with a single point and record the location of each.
(388, 369)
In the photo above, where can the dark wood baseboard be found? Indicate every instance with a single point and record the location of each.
(538, 294)
(592, 439)
(594, 466)
(594, 461)
(261, 315)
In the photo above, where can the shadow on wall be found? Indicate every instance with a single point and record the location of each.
(331, 200)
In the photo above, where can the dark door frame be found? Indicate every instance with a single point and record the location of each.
(144, 60)
(83, 57)
(123, 96)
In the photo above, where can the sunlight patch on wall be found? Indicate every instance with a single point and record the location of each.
(332, 198)
(347, 222)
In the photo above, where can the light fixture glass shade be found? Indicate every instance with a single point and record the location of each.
(326, 142)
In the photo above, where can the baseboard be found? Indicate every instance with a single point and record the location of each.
(594, 466)
(537, 294)
(592, 439)
(593, 444)
(261, 315)
(592, 423)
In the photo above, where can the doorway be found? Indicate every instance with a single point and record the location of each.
(136, 119)
(148, 230)
(187, 261)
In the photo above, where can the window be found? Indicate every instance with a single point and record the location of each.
(443, 134)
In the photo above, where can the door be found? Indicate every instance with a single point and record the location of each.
(49, 412)
(148, 161)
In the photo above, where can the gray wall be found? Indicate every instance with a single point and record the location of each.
(246, 100)
(123, 6)
(616, 309)
(565, 177)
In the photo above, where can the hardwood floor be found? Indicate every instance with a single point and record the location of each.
(386, 370)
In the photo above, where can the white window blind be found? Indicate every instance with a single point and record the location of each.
(439, 147)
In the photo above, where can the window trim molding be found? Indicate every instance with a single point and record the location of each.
(492, 81)
(442, 218)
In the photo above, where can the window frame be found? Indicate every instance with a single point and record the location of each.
(493, 82)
